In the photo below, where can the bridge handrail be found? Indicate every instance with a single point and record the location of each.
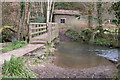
(36, 29)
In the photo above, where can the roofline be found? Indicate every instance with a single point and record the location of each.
(66, 14)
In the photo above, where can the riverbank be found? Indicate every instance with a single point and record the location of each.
(112, 54)
(49, 70)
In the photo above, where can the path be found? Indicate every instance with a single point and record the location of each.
(40, 39)
(19, 52)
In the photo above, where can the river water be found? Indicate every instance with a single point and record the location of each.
(76, 55)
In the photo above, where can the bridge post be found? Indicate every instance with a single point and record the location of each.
(49, 25)
(30, 31)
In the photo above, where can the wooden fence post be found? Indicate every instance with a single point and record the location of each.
(49, 32)
(30, 31)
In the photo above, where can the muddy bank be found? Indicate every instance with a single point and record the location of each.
(49, 70)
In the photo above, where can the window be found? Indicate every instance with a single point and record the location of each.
(62, 20)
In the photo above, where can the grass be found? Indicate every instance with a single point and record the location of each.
(102, 41)
(13, 46)
(15, 68)
(117, 76)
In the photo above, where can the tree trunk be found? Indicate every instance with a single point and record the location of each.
(51, 17)
(92, 38)
(119, 36)
(26, 21)
(48, 11)
(0, 21)
(42, 11)
(89, 18)
(21, 22)
(99, 14)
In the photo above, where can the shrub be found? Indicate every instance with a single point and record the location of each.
(103, 41)
(72, 34)
(7, 33)
(16, 69)
(117, 76)
(86, 34)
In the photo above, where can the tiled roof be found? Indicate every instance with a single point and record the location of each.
(74, 12)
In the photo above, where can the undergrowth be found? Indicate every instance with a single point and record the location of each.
(15, 68)
(72, 34)
(13, 46)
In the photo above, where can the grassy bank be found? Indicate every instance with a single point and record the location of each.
(12, 46)
(85, 37)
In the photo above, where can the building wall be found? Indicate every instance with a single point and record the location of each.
(68, 19)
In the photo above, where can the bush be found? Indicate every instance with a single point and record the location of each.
(72, 34)
(117, 76)
(7, 33)
(86, 35)
(16, 69)
(103, 41)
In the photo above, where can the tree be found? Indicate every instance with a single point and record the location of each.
(116, 8)
(23, 30)
(99, 18)
(21, 20)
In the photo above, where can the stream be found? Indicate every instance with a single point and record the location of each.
(77, 55)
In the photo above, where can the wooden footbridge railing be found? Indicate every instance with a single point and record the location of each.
(42, 32)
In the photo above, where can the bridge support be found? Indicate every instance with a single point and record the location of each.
(49, 32)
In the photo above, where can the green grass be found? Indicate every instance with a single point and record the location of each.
(15, 68)
(13, 46)
(117, 76)
(105, 42)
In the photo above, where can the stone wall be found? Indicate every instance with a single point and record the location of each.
(68, 19)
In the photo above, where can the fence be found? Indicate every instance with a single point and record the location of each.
(37, 29)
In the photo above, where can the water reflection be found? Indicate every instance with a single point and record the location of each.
(75, 55)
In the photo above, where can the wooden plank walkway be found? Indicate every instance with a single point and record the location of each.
(42, 37)
(19, 52)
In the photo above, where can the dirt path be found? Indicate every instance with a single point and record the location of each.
(49, 70)
(19, 52)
